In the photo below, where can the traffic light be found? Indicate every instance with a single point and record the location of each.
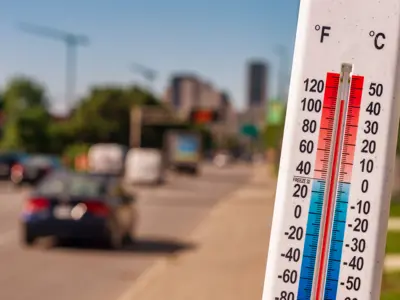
(204, 116)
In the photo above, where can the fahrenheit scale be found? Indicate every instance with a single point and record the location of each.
(332, 201)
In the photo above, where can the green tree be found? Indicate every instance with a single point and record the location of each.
(23, 92)
(33, 129)
(26, 116)
(104, 115)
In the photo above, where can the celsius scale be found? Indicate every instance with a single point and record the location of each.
(334, 186)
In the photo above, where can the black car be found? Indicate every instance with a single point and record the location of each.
(7, 161)
(33, 168)
(72, 205)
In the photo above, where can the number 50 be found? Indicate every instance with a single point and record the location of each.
(375, 89)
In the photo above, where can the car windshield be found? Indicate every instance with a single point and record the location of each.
(72, 184)
(9, 156)
(37, 161)
(40, 160)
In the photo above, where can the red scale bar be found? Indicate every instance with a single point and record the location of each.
(326, 127)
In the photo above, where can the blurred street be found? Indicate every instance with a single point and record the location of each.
(167, 215)
(229, 262)
(126, 130)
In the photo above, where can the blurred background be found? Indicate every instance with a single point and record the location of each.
(222, 67)
(183, 105)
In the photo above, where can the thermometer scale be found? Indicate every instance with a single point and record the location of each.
(333, 193)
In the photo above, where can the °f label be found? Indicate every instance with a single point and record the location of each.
(332, 201)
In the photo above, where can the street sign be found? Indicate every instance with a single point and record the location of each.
(249, 130)
(155, 115)
(333, 193)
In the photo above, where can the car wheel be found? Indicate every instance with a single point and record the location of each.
(128, 240)
(28, 239)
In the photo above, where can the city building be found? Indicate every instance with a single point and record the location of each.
(187, 92)
(183, 94)
(257, 84)
(209, 96)
(257, 94)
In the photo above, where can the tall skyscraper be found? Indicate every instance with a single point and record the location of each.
(184, 93)
(257, 84)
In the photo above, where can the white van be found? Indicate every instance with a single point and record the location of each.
(107, 158)
(144, 166)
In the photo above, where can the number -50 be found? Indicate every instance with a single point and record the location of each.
(376, 89)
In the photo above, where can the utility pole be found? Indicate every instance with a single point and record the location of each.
(72, 41)
(147, 73)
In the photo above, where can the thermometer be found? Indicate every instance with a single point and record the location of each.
(332, 202)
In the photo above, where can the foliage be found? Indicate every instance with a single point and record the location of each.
(26, 117)
(390, 286)
(102, 116)
(272, 136)
(72, 151)
(22, 92)
(392, 242)
(395, 205)
(398, 142)
(32, 127)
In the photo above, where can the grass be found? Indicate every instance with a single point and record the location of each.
(390, 286)
(392, 242)
(393, 237)
(395, 206)
(390, 281)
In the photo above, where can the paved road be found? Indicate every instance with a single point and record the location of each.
(83, 272)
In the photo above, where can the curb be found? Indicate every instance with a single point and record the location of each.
(161, 264)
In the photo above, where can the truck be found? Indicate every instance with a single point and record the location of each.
(144, 167)
(107, 158)
(183, 150)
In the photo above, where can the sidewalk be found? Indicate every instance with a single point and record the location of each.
(229, 261)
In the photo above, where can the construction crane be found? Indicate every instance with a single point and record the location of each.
(149, 74)
(72, 41)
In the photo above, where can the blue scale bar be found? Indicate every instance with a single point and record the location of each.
(335, 250)
(311, 240)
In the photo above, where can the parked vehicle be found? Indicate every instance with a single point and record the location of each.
(144, 166)
(107, 158)
(7, 161)
(73, 205)
(33, 168)
(222, 159)
(183, 151)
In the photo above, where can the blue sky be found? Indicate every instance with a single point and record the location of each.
(214, 38)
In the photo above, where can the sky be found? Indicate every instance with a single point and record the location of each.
(214, 38)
